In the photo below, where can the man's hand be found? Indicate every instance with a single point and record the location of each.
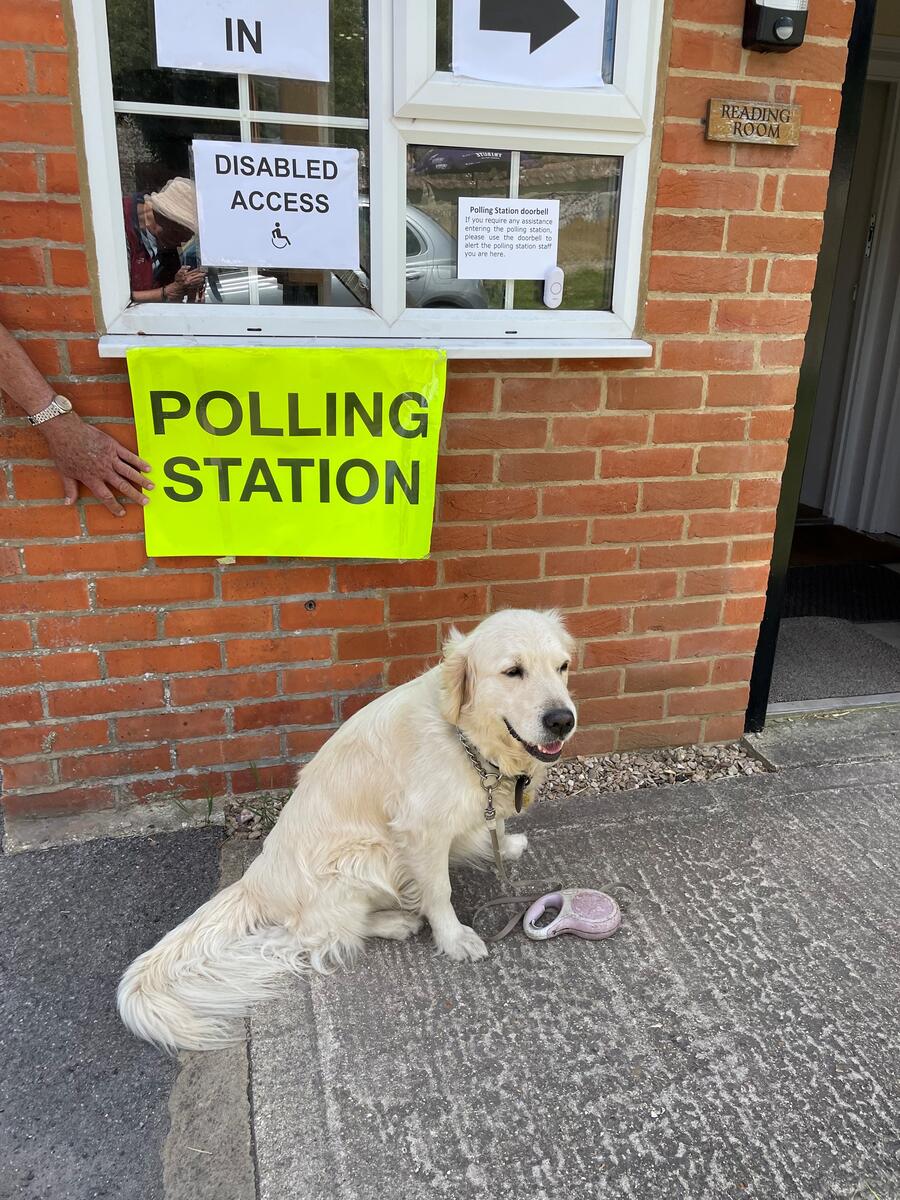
(83, 453)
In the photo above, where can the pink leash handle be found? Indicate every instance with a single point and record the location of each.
(584, 912)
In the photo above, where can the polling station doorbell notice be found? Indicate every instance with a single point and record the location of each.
(774, 24)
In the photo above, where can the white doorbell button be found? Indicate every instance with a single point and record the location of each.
(553, 287)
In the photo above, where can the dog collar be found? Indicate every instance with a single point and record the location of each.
(491, 776)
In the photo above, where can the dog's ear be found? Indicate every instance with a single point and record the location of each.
(456, 677)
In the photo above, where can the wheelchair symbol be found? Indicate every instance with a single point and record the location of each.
(279, 239)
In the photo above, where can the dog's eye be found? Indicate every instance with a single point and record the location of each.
(564, 668)
(515, 673)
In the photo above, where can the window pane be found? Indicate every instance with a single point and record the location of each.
(347, 93)
(154, 149)
(444, 48)
(132, 51)
(436, 178)
(587, 187)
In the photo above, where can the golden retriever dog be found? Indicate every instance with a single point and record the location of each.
(363, 846)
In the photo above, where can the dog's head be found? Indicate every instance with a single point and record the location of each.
(505, 685)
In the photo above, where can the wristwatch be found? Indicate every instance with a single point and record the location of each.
(57, 406)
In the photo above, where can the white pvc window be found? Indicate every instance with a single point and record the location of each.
(426, 138)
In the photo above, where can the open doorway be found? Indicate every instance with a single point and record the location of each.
(839, 636)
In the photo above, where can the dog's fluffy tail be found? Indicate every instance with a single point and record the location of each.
(187, 992)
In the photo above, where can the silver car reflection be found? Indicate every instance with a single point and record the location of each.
(431, 280)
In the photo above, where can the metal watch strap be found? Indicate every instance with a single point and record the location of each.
(53, 409)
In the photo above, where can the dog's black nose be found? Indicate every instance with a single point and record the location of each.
(559, 721)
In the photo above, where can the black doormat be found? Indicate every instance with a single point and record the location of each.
(854, 591)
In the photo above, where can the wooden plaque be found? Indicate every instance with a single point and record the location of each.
(759, 121)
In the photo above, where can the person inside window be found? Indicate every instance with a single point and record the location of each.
(156, 226)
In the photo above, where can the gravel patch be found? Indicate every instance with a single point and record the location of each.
(572, 776)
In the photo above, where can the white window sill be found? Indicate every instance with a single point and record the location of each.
(116, 345)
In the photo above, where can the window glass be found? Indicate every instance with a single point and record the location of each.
(436, 178)
(444, 46)
(587, 187)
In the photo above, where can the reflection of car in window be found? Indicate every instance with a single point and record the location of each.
(431, 280)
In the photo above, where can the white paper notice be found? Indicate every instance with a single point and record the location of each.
(259, 37)
(541, 43)
(507, 239)
(277, 206)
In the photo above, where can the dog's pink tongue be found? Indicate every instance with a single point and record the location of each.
(551, 747)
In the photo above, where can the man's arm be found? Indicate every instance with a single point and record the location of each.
(80, 451)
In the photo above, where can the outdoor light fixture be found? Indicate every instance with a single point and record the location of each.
(774, 24)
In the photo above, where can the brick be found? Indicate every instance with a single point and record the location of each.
(35, 21)
(218, 689)
(685, 142)
(725, 728)
(821, 105)
(96, 630)
(539, 533)
(782, 352)
(705, 50)
(814, 153)
(349, 705)
(758, 277)
(487, 568)
(401, 670)
(589, 499)
(523, 467)
(730, 191)
(171, 726)
(654, 392)
(678, 232)
(109, 766)
(664, 618)
(281, 713)
(14, 635)
(450, 538)
(155, 588)
(771, 423)
(621, 651)
(831, 18)
(593, 741)
(75, 735)
(21, 266)
(769, 193)
(812, 61)
(717, 641)
(709, 355)
(684, 554)
(20, 706)
(392, 642)
(51, 73)
(636, 585)
(746, 610)
(31, 310)
(27, 775)
(370, 576)
(688, 96)
(105, 697)
(437, 603)
(649, 463)
(252, 652)
(488, 505)
(615, 710)
(459, 468)
(88, 557)
(750, 458)
(662, 677)
(774, 235)
(730, 524)
(732, 670)
(338, 677)
(590, 684)
(763, 316)
(667, 733)
(686, 496)
(714, 12)
(469, 394)
(62, 595)
(37, 483)
(804, 193)
(273, 776)
(207, 622)
(67, 668)
(18, 172)
(598, 623)
(795, 275)
(709, 702)
(275, 582)
(716, 581)
(13, 73)
(47, 124)
(39, 521)
(145, 660)
(223, 751)
(554, 394)
(697, 273)
(56, 801)
(61, 172)
(752, 550)
(496, 433)
(759, 493)
(605, 430)
(751, 391)
(636, 529)
(694, 427)
(332, 614)
(590, 562)
(677, 316)
(544, 593)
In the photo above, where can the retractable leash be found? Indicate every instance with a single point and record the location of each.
(584, 912)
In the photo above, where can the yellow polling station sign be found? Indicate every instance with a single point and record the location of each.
(320, 453)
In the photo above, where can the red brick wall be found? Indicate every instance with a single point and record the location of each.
(640, 499)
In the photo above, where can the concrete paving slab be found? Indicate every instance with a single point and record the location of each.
(737, 1038)
(83, 1105)
(844, 736)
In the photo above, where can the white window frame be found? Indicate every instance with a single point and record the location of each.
(410, 103)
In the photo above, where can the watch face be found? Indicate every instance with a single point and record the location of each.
(63, 404)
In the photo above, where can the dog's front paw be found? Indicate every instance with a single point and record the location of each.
(514, 846)
(463, 945)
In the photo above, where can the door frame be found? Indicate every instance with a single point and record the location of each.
(807, 385)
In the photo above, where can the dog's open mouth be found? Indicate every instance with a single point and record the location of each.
(548, 752)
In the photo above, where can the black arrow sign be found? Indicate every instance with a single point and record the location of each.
(543, 19)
